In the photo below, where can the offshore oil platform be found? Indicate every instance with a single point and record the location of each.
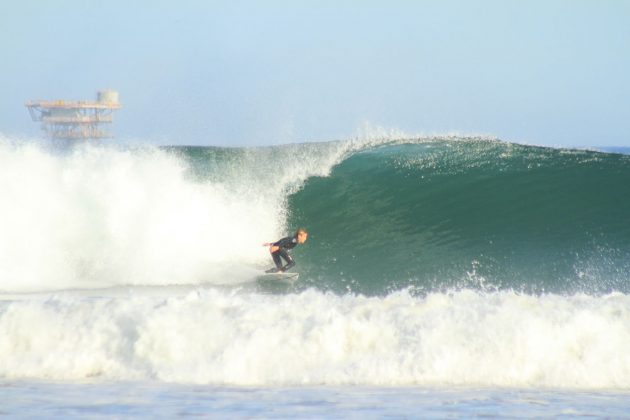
(76, 119)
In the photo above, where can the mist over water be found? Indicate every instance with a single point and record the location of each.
(436, 261)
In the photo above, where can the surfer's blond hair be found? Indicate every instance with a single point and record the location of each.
(299, 231)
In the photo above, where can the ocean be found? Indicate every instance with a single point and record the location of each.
(442, 277)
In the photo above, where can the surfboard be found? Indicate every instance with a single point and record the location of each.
(288, 278)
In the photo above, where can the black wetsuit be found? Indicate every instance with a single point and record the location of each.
(284, 244)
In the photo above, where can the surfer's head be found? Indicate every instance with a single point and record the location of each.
(301, 235)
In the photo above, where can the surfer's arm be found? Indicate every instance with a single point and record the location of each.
(281, 244)
(272, 247)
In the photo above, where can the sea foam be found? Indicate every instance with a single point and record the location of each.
(95, 217)
(214, 336)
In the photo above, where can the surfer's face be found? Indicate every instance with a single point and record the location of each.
(301, 238)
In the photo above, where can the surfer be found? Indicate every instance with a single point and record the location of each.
(281, 249)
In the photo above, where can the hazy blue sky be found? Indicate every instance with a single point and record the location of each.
(246, 73)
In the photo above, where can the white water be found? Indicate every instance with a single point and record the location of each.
(213, 336)
(95, 217)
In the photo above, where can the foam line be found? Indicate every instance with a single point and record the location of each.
(216, 337)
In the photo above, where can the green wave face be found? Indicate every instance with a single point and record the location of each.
(475, 214)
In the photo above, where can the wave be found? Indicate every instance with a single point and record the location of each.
(469, 213)
(436, 213)
(90, 217)
(208, 336)
(431, 261)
